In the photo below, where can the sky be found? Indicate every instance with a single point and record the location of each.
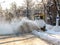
(6, 3)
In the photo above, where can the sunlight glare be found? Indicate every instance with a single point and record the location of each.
(6, 3)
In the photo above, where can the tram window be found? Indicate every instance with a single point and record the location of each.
(37, 17)
(41, 17)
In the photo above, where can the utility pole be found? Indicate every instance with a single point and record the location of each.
(57, 19)
(57, 7)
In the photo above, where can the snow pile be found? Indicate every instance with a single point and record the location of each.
(49, 27)
(56, 28)
(47, 37)
(52, 32)
(53, 29)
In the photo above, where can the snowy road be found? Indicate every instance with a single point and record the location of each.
(45, 39)
(53, 39)
(26, 39)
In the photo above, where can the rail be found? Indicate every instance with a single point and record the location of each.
(14, 40)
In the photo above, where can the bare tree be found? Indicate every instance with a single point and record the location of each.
(13, 9)
(1, 13)
(29, 4)
(0, 10)
(7, 17)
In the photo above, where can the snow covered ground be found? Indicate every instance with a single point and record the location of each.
(56, 28)
(49, 38)
(53, 29)
(49, 27)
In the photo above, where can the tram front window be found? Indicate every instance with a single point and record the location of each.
(37, 18)
(41, 17)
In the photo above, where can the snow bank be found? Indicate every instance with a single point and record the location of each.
(49, 27)
(53, 29)
(47, 37)
(52, 32)
(56, 28)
